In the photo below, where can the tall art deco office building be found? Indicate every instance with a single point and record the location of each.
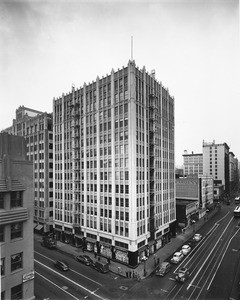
(114, 165)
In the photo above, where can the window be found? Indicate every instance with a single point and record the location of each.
(16, 199)
(3, 295)
(16, 230)
(16, 292)
(1, 234)
(2, 266)
(1, 201)
(16, 261)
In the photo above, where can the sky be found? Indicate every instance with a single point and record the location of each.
(193, 46)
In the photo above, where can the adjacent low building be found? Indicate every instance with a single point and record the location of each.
(16, 219)
(196, 194)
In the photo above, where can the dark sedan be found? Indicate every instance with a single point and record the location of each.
(61, 265)
(84, 259)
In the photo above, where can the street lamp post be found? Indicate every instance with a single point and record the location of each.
(194, 225)
(144, 271)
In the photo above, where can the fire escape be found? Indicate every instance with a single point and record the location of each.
(153, 155)
(75, 136)
(206, 195)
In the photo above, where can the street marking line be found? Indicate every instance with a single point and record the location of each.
(222, 259)
(77, 284)
(72, 270)
(56, 285)
(196, 248)
(209, 254)
(196, 286)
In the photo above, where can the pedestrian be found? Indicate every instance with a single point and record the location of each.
(133, 274)
(95, 254)
(83, 249)
(108, 260)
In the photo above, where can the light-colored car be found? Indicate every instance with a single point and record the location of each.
(197, 237)
(177, 257)
(186, 249)
(163, 268)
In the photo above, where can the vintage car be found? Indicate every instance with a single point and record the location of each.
(183, 274)
(177, 257)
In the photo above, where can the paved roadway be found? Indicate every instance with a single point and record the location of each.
(213, 262)
(80, 282)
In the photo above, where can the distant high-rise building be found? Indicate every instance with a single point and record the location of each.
(192, 164)
(36, 127)
(233, 172)
(16, 219)
(216, 163)
(114, 165)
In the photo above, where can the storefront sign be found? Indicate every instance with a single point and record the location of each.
(28, 276)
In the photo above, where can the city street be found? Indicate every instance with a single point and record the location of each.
(213, 265)
(79, 282)
(212, 262)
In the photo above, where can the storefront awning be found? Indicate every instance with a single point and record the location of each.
(38, 227)
(90, 240)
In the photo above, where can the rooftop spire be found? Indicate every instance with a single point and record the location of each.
(131, 48)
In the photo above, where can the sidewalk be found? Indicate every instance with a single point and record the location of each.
(123, 270)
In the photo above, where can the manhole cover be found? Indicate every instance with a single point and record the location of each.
(64, 287)
(124, 288)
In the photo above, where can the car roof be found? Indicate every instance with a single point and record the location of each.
(164, 264)
(62, 262)
(177, 253)
(183, 269)
(185, 246)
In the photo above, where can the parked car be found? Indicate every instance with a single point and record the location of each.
(101, 266)
(84, 259)
(183, 274)
(237, 200)
(63, 266)
(186, 249)
(197, 237)
(177, 257)
(163, 268)
(192, 243)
